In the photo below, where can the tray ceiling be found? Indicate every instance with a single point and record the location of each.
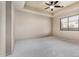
(40, 5)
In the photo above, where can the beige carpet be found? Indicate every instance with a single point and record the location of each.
(45, 47)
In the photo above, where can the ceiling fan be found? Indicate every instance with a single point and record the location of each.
(53, 4)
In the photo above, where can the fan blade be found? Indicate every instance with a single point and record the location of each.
(51, 2)
(59, 6)
(51, 9)
(47, 4)
(55, 2)
(47, 7)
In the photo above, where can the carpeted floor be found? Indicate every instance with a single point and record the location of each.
(45, 47)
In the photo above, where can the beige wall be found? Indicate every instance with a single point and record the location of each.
(72, 35)
(2, 28)
(29, 25)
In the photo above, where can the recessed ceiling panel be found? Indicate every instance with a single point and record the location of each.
(40, 5)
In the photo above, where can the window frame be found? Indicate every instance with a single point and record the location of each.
(68, 23)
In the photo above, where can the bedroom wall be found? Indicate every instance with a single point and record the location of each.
(29, 25)
(2, 28)
(70, 35)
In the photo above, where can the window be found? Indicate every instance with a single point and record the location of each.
(73, 23)
(64, 24)
(70, 23)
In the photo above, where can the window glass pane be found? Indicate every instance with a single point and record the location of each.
(64, 23)
(73, 23)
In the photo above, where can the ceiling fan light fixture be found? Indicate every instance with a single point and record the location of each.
(51, 7)
(53, 4)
